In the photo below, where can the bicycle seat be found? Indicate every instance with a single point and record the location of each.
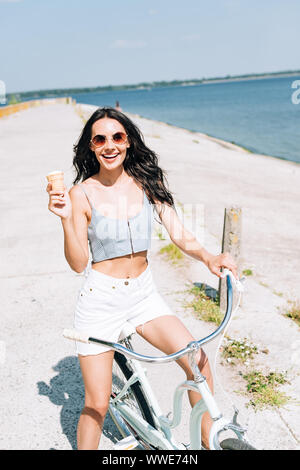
(127, 330)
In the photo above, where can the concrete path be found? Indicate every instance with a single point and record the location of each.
(41, 388)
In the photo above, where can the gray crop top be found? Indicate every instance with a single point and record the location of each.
(110, 238)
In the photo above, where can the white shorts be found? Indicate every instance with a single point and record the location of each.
(106, 303)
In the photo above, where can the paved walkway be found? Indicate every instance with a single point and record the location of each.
(41, 388)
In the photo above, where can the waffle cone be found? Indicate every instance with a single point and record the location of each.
(56, 178)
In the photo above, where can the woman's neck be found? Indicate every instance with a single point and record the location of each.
(115, 178)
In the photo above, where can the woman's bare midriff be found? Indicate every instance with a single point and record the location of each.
(129, 266)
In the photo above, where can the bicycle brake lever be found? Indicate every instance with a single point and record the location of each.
(234, 425)
(235, 421)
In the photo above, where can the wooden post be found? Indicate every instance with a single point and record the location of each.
(231, 244)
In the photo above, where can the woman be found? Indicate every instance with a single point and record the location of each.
(112, 210)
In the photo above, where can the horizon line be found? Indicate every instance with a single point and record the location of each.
(153, 83)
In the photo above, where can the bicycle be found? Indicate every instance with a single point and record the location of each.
(135, 409)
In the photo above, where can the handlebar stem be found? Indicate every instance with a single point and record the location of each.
(192, 357)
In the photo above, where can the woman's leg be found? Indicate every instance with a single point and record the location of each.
(97, 377)
(168, 334)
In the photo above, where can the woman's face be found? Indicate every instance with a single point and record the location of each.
(112, 153)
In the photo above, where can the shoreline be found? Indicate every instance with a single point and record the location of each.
(221, 141)
(224, 143)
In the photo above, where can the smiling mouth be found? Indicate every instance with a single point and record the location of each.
(110, 157)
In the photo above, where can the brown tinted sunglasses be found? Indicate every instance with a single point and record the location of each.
(119, 138)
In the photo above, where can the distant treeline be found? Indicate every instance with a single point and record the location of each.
(143, 85)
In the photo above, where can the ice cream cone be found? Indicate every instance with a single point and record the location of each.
(56, 178)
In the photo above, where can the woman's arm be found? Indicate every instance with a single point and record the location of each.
(71, 208)
(187, 242)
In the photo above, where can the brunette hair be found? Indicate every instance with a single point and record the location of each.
(140, 162)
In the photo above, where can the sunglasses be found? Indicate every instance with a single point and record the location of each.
(118, 138)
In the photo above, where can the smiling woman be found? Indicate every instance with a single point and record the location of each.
(140, 162)
(111, 209)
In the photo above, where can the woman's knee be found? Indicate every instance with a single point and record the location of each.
(97, 377)
(96, 409)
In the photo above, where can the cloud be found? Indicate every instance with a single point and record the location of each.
(126, 44)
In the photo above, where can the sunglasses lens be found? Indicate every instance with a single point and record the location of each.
(119, 138)
(98, 140)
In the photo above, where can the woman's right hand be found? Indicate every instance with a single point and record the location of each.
(59, 203)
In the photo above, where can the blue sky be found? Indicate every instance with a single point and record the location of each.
(75, 43)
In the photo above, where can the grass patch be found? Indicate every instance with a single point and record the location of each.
(172, 253)
(160, 234)
(293, 311)
(238, 350)
(264, 389)
(244, 148)
(280, 294)
(248, 272)
(263, 284)
(204, 307)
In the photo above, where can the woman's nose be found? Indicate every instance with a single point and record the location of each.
(109, 143)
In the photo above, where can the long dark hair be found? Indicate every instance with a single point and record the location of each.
(140, 162)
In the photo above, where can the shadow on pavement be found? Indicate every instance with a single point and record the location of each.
(66, 390)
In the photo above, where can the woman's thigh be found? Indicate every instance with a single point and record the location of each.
(97, 377)
(169, 335)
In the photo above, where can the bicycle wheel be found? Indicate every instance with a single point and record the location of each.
(135, 397)
(235, 444)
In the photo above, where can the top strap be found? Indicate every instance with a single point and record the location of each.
(82, 188)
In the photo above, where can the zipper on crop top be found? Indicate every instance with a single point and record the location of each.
(130, 236)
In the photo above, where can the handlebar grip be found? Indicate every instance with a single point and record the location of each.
(237, 283)
(76, 335)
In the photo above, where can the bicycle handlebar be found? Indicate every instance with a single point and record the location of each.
(193, 345)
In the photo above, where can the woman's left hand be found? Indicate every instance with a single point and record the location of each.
(224, 260)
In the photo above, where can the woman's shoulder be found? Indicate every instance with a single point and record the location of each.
(79, 195)
(80, 188)
(80, 201)
(76, 190)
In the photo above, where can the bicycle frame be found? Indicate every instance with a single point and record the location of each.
(162, 437)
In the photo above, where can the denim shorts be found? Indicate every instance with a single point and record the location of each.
(105, 304)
